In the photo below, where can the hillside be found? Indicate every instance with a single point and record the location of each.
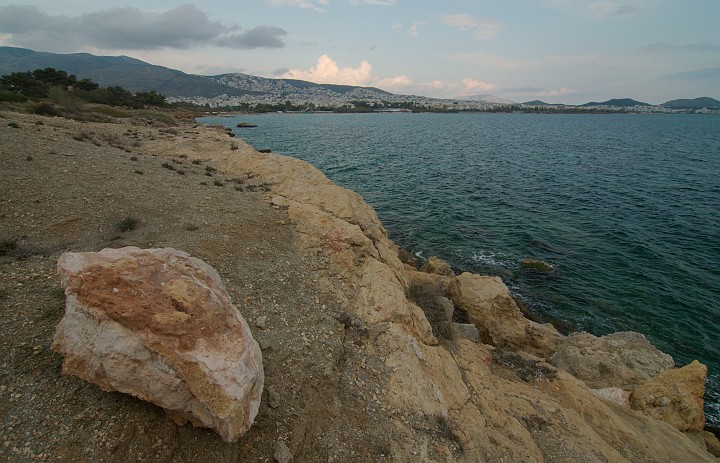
(136, 75)
(618, 102)
(695, 103)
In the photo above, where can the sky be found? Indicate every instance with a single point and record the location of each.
(558, 51)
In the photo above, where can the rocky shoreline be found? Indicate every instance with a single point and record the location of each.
(366, 357)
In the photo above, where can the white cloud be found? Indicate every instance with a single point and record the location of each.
(482, 28)
(607, 9)
(472, 85)
(394, 83)
(304, 4)
(562, 91)
(374, 2)
(327, 71)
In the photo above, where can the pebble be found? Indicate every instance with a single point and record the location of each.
(261, 322)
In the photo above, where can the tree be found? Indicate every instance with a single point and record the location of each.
(25, 83)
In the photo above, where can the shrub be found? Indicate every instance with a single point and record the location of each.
(45, 109)
(14, 125)
(7, 246)
(431, 301)
(218, 183)
(234, 146)
(129, 223)
(526, 370)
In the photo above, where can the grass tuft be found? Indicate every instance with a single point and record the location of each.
(127, 224)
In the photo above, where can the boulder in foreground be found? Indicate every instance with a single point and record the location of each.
(158, 324)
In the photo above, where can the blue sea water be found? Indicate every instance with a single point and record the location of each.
(625, 207)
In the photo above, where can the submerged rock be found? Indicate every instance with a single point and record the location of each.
(158, 324)
(625, 359)
(674, 396)
(536, 265)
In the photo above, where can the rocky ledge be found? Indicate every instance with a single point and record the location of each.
(365, 357)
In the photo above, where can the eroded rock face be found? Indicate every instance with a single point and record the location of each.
(489, 306)
(437, 266)
(674, 396)
(158, 324)
(623, 359)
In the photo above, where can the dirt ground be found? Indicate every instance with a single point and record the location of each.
(83, 186)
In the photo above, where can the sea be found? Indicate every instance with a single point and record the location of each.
(624, 207)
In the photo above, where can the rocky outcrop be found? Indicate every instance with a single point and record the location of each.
(437, 266)
(158, 324)
(674, 396)
(623, 359)
(457, 401)
(490, 307)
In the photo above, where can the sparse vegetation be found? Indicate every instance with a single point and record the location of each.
(139, 172)
(7, 246)
(217, 183)
(526, 370)
(196, 162)
(14, 125)
(127, 224)
(436, 308)
(168, 166)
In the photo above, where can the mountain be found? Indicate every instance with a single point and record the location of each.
(696, 103)
(485, 97)
(619, 102)
(129, 73)
(136, 75)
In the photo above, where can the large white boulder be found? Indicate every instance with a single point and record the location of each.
(159, 325)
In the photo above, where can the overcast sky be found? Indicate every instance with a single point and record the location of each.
(559, 51)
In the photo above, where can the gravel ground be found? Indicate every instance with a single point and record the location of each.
(68, 186)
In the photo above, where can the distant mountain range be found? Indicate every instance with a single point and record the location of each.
(136, 75)
(618, 102)
(485, 97)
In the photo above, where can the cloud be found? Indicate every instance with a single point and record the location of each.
(664, 47)
(257, 37)
(472, 85)
(490, 61)
(412, 31)
(483, 29)
(610, 9)
(374, 2)
(130, 29)
(562, 91)
(304, 4)
(327, 71)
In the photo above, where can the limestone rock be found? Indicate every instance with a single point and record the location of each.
(489, 306)
(613, 394)
(158, 324)
(437, 266)
(624, 359)
(674, 396)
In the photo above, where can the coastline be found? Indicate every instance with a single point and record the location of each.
(385, 387)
